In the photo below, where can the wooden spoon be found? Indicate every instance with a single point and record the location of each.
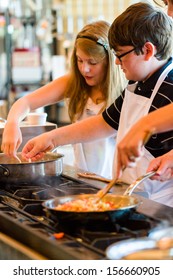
(100, 194)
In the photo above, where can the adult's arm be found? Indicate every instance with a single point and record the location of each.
(164, 167)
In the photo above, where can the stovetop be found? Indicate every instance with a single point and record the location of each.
(24, 219)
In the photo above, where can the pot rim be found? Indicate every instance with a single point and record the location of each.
(49, 158)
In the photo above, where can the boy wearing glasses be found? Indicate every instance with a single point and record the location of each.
(141, 38)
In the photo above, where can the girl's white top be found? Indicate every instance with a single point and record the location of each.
(95, 156)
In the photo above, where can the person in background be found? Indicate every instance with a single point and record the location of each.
(93, 83)
(141, 38)
(169, 6)
(130, 148)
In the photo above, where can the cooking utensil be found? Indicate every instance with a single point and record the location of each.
(100, 194)
(90, 175)
(11, 169)
(94, 176)
(129, 190)
(106, 189)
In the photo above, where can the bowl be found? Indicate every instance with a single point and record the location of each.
(36, 118)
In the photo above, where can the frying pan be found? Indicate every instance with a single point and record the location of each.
(75, 219)
(124, 205)
(11, 169)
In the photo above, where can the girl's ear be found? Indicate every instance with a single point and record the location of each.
(149, 50)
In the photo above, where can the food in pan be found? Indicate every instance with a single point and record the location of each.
(87, 205)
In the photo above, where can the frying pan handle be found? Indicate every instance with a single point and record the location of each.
(135, 184)
(5, 170)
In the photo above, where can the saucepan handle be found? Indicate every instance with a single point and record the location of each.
(5, 170)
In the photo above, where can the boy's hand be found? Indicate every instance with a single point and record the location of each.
(37, 147)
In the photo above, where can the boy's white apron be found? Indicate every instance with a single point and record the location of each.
(135, 107)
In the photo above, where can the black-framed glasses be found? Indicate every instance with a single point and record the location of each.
(123, 54)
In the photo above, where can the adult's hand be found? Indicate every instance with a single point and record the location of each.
(164, 167)
(130, 148)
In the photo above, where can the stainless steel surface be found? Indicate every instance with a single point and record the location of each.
(123, 248)
(12, 169)
(138, 248)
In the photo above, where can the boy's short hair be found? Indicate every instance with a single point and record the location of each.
(141, 23)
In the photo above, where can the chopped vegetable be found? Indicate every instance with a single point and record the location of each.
(86, 205)
(58, 235)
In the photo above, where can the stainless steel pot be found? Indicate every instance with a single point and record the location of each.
(10, 168)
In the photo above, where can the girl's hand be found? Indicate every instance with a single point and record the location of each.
(11, 138)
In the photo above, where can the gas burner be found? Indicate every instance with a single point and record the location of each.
(136, 225)
(41, 182)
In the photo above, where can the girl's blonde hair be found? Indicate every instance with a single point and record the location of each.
(93, 40)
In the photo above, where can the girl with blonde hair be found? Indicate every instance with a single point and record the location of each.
(91, 85)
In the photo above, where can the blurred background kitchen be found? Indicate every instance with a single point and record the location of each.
(36, 39)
